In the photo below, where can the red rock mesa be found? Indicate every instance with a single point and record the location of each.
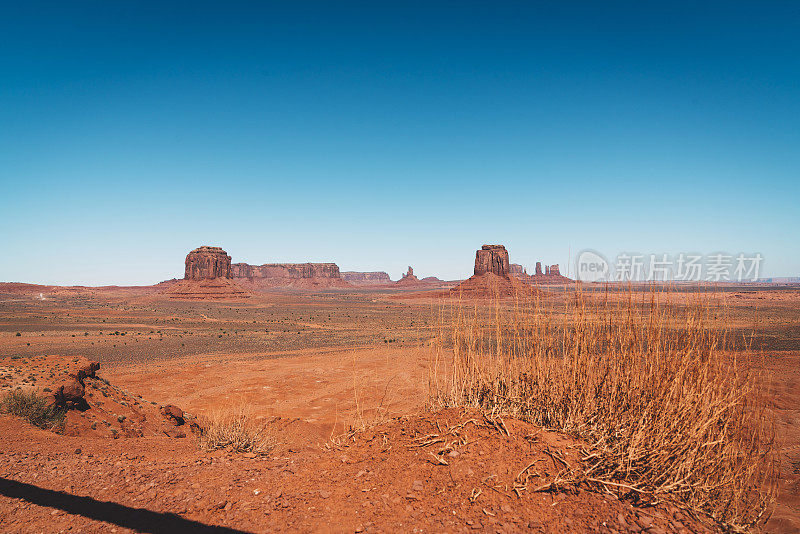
(369, 278)
(207, 263)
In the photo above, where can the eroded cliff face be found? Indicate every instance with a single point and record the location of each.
(492, 259)
(207, 263)
(376, 277)
(294, 271)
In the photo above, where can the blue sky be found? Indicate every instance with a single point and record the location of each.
(382, 135)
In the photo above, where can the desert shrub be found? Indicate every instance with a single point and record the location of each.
(37, 410)
(234, 429)
(645, 379)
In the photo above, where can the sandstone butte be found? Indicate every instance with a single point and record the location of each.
(207, 276)
(551, 274)
(207, 263)
(492, 277)
(408, 278)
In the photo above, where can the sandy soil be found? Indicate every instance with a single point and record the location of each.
(312, 365)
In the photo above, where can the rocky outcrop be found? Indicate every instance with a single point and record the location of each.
(286, 270)
(207, 263)
(551, 275)
(492, 259)
(517, 270)
(173, 414)
(492, 278)
(410, 275)
(367, 278)
(408, 279)
(70, 394)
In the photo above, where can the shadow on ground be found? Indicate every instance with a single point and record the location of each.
(137, 519)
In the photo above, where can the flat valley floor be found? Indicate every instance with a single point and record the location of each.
(317, 366)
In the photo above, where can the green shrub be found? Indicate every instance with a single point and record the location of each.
(37, 410)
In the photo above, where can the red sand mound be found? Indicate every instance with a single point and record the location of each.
(213, 289)
(95, 408)
(490, 285)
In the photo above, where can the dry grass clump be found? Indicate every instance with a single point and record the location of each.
(649, 384)
(37, 410)
(235, 429)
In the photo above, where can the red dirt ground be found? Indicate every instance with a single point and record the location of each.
(397, 476)
(309, 365)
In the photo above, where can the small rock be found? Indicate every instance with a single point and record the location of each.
(173, 414)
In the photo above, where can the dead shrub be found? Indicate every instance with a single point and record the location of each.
(236, 430)
(652, 386)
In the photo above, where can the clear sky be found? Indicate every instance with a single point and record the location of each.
(380, 135)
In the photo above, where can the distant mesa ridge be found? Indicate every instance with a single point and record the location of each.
(209, 274)
(366, 278)
(286, 270)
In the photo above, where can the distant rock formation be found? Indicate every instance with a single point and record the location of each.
(491, 278)
(492, 259)
(552, 270)
(408, 278)
(285, 270)
(367, 278)
(207, 263)
(517, 269)
(551, 275)
(207, 276)
(290, 275)
(409, 275)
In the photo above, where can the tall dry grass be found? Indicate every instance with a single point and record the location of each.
(235, 429)
(648, 383)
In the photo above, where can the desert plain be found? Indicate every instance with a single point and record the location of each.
(339, 380)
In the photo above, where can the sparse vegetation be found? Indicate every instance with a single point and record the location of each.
(236, 430)
(665, 408)
(33, 408)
